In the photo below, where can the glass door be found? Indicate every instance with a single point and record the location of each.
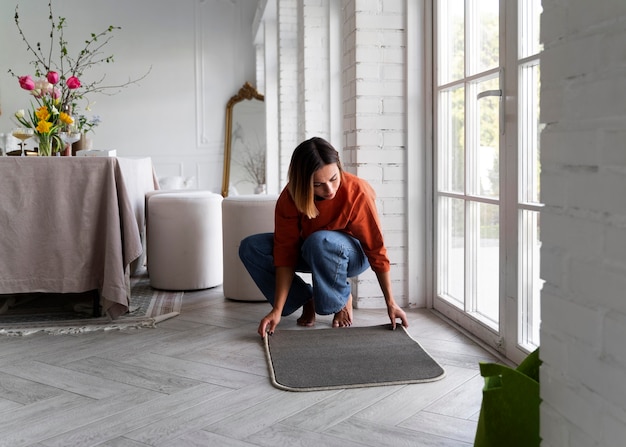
(486, 179)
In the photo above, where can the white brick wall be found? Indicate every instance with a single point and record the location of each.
(287, 16)
(374, 125)
(583, 334)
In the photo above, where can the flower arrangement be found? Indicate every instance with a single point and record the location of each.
(58, 86)
(45, 118)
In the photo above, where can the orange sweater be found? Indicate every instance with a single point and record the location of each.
(351, 211)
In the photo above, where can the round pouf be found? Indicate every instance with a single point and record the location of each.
(242, 216)
(184, 240)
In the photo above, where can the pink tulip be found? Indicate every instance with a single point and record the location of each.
(53, 77)
(26, 82)
(56, 93)
(73, 83)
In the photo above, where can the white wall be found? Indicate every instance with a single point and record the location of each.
(583, 227)
(201, 52)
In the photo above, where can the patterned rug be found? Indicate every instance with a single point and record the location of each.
(72, 313)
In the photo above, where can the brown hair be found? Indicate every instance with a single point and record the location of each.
(310, 156)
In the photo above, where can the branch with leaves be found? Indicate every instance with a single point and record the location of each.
(252, 161)
(57, 59)
(253, 164)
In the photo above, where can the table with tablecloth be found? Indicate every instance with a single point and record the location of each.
(73, 224)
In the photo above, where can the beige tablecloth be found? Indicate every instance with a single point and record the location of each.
(72, 224)
(139, 178)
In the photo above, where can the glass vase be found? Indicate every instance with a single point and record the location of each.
(45, 145)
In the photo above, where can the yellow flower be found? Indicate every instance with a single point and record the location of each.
(43, 126)
(42, 113)
(65, 118)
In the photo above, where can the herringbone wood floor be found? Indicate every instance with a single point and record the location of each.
(201, 379)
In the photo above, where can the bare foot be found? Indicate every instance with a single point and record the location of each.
(343, 318)
(307, 318)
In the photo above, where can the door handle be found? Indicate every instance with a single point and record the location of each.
(498, 92)
(489, 93)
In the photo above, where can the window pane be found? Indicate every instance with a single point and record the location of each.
(485, 158)
(451, 40)
(530, 283)
(530, 13)
(530, 128)
(451, 140)
(483, 53)
(451, 250)
(488, 262)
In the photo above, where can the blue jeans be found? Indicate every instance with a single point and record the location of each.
(330, 256)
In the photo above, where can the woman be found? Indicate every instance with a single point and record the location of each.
(326, 224)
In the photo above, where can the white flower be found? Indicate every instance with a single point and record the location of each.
(43, 85)
(20, 113)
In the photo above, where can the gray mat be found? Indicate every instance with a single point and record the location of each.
(323, 359)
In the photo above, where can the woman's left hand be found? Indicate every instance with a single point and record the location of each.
(393, 310)
(396, 312)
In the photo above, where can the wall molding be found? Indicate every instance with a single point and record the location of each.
(213, 61)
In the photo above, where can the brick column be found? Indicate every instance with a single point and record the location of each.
(287, 16)
(374, 53)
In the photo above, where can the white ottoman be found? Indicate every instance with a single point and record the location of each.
(184, 239)
(242, 216)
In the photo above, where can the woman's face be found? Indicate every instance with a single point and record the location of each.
(326, 181)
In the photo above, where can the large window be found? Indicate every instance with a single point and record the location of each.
(487, 169)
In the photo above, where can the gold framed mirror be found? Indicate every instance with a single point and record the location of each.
(244, 143)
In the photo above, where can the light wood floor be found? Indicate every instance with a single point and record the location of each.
(201, 379)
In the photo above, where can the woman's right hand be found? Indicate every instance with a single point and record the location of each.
(269, 323)
(284, 276)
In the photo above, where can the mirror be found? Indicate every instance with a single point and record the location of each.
(244, 143)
